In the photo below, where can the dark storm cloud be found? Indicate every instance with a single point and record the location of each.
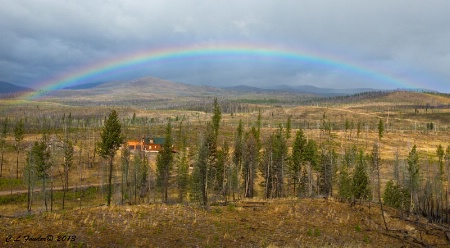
(405, 39)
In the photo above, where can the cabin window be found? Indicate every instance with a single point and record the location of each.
(138, 147)
(131, 147)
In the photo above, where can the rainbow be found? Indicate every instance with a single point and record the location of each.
(132, 60)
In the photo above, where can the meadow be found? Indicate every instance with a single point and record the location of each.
(242, 207)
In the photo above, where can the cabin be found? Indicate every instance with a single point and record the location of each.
(147, 144)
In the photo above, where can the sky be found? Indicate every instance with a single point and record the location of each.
(383, 44)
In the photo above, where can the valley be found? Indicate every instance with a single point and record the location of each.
(250, 167)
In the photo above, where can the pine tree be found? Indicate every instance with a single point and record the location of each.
(217, 116)
(288, 128)
(376, 163)
(397, 166)
(200, 174)
(395, 196)
(164, 163)
(361, 184)
(440, 154)
(345, 183)
(279, 158)
(143, 177)
(182, 174)
(447, 162)
(328, 161)
(41, 159)
(237, 153)
(250, 162)
(30, 177)
(68, 162)
(380, 129)
(19, 133)
(3, 135)
(212, 134)
(258, 129)
(111, 139)
(413, 173)
(358, 129)
(312, 163)
(125, 157)
(266, 167)
(138, 164)
(297, 158)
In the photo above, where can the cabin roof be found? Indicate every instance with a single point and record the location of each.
(158, 141)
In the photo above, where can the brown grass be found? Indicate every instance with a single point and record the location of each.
(280, 223)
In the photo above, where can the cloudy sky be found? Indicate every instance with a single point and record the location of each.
(378, 44)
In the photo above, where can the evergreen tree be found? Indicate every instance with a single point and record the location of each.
(68, 163)
(397, 166)
(312, 163)
(211, 140)
(288, 128)
(182, 174)
(298, 157)
(19, 133)
(3, 134)
(41, 159)
(164, 163)
(358, 129)
(143, 177)
(266, 167)
(279, 158)
(237, 153)
(200, 174)
(413, 173)
(224, 165)
(111, 139)
(328, 161)
(217, 116)
(250, 162)
(380, 129)
(125, 157)
(395, 196)
(447, 162)
(361, 184)
(345, 183)
(258, 129)
(219, 177)
(440, 154)
(138, 164)
(374, 162)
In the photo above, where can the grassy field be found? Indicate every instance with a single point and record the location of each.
(285, 222)
(275, 223)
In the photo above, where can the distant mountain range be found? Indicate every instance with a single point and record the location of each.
(84, 86)
(161, 88)
(309, 89)
(8, 88)
(303, 89)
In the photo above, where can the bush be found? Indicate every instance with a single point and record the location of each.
(395, 196)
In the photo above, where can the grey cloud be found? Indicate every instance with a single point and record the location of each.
(407, 39)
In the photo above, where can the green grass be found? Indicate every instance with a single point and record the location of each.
(13, 199)
(7, 183)
(260, 101)
(57, 195)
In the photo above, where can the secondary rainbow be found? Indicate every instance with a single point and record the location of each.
(129, 61)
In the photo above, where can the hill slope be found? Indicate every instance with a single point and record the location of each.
(8, 88)
(309, 89)
(277, 223)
